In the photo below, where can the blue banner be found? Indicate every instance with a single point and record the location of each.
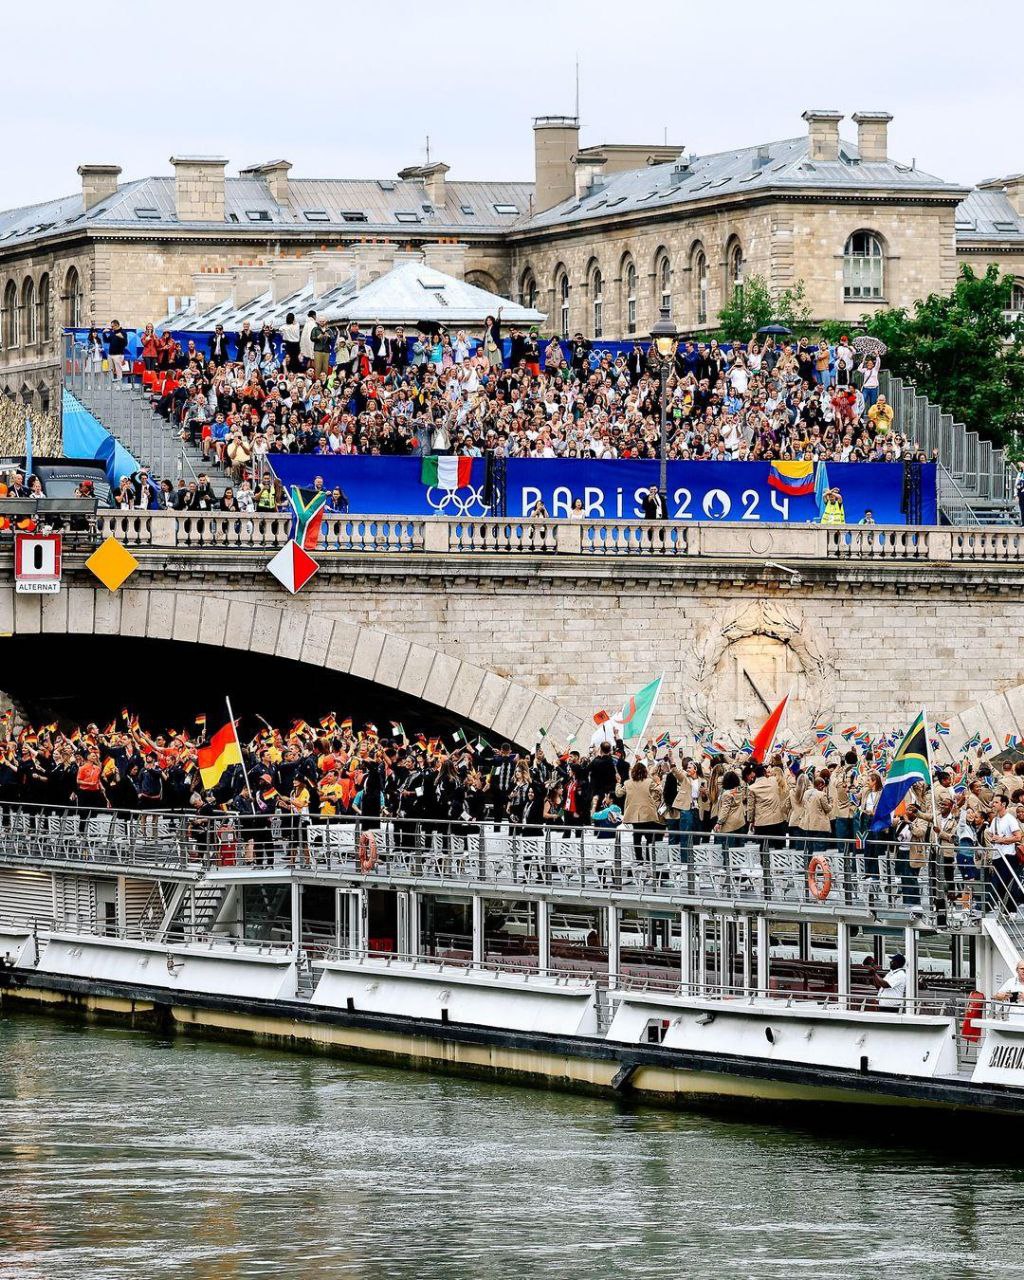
(735, 491)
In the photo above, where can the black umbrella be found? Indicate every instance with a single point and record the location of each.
(775, 329)
(429, 326)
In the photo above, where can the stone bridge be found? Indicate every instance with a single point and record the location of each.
(519, 626)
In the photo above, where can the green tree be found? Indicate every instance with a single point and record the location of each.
(754, 305)
(962, 351)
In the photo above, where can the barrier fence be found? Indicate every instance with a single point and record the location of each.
(799, 870)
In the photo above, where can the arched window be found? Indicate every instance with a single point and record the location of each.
(562, 289)
(863, 266)
(12, 326)
(700, 285)
(28, 396)
(734, 268)
(597, 301)
(1016, 301)
(43, 306)
(28, 310)
(44, 398)
(527, 289)
(73, 299)
(630, 297)
(663, 279)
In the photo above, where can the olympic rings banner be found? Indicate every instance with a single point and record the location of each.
(734, 491)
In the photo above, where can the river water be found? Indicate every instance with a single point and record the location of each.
(128, 1154)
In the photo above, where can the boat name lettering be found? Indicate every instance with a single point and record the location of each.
(1007, 1057)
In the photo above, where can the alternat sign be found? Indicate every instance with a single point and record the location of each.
(37, 562)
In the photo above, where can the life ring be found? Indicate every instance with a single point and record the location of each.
(819, 878)
(367, 852)
(969, 1029)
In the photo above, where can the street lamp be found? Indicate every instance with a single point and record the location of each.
(663, 339)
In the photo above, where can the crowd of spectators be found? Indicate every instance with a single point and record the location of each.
(971, 818)
(325, 389)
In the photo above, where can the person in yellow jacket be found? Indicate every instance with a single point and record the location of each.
(833, 512)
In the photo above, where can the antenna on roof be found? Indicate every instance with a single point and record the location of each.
(428, 148)
(577, 88)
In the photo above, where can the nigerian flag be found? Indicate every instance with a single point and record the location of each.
(637, 712)
(446, 473)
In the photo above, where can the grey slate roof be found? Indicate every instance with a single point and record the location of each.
(468, 207)
(770, 165)
(988, 215)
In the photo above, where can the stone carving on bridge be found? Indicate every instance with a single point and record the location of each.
(744, 661)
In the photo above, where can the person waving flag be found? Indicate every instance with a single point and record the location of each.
(910, 764)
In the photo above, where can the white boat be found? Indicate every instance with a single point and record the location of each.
(732, 976)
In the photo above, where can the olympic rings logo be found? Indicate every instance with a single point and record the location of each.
(451, 504)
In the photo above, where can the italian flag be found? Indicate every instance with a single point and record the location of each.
(446, 473)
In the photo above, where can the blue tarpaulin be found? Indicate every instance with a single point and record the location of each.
(86, 437)
(612, 490)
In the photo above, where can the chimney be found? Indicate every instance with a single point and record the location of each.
(98, 182)
(872, 135)
(275, 174)
(586, 170)
(433, 180)
(199, 188)
(1014, 188)
(823, 132)
(556, 139)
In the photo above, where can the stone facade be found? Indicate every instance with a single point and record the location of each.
(120, 249)
(516, 649)
(784, 243)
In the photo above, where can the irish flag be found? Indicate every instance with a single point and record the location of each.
(446, 473)
(637, 712)
(794, 478)
(223, 750)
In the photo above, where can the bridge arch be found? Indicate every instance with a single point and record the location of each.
(508, 709)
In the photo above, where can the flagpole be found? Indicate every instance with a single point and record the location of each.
(241, 753)
(931, 773)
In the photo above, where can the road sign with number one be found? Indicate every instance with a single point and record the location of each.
(37, 563)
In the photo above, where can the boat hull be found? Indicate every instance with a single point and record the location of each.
(588, 1064)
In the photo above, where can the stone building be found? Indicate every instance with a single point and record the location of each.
(600, 241)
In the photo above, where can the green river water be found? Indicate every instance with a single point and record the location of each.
(128, 1154)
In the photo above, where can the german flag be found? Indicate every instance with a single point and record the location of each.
(221, 752)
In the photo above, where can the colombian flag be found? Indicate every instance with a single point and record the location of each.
(794, 478)
(221, 752)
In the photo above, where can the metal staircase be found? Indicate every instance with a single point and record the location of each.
(197, 912)
(126, 412)
(974, 476)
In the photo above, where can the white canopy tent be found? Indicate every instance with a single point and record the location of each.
(408, 294)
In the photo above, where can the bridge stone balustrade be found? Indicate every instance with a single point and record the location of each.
(604, 538)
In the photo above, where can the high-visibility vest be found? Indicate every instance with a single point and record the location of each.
(833, 513)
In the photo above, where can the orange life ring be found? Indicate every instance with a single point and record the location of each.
(367, 852)
(969, 1029)
(819, 888)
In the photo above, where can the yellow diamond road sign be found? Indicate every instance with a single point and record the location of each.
(112, 563)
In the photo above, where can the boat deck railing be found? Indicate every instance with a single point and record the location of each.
(817, 872)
